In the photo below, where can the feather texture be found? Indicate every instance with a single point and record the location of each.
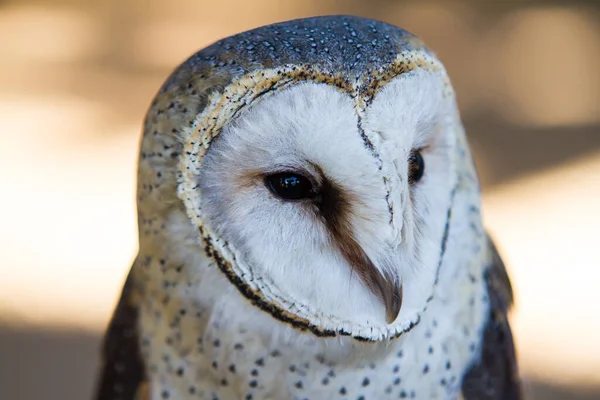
(122, 369)
(495, 376)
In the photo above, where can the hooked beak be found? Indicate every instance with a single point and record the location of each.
(383, 285)
(391, 294)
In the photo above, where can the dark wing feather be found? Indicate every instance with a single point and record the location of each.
(495, 376)
(122, 370)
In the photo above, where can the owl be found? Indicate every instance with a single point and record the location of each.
(310, 228)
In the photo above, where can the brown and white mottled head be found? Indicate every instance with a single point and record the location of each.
(317, 162)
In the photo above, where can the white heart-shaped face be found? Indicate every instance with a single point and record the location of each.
(318, 258)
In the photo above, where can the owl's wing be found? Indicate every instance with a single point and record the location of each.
(122, 371)
(495, 376)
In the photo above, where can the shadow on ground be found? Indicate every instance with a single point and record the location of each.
(60, 364)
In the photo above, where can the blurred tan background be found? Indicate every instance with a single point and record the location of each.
(76, 78)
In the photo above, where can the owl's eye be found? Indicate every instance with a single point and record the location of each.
(416, 166)
(290, 186)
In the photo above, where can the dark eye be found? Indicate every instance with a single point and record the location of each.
(290, 186)
(416, 166)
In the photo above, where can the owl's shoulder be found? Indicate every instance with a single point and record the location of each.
(122, 370)
(495, 375)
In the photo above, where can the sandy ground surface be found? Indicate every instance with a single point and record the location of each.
(69, 126)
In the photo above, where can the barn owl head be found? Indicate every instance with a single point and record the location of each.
(317, 162)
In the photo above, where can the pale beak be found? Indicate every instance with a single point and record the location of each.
(390, 292)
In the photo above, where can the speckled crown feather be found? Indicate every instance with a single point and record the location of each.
(355, 55)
